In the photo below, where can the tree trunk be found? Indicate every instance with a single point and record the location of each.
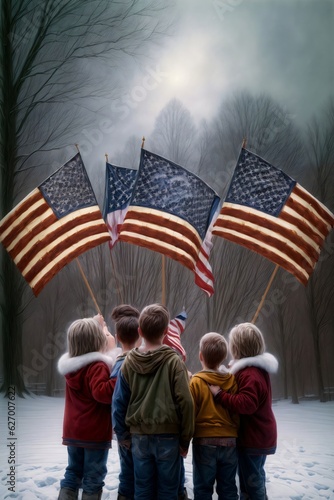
(12, 289)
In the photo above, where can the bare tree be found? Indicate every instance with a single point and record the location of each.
(129, 157)
(48, 92)
(174, 134)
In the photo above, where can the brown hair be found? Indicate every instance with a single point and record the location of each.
(245, 341)
(124, 310)
(153, 321)
(127, 329)
(214, 348)
(85, 335)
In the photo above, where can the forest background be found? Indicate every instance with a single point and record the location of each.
(92, 74)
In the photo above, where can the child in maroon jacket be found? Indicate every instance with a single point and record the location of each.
(87, 417)
(258, 433)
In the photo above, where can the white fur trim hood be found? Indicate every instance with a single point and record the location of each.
(265, 361)
(68, 365)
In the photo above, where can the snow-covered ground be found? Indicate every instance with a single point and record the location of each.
(33, 459)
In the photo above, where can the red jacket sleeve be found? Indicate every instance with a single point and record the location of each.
(101, 385)
(251, 390)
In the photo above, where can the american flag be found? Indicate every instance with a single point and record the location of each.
(268, 212)
(55, 223)
(173, 336)
(119, 185)
(170, 212)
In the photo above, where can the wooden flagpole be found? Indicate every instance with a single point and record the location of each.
(265, 293)
(88, 286)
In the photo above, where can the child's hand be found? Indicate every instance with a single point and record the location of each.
(125, 444)
(183, 452)
(214, 389)
(100, 319)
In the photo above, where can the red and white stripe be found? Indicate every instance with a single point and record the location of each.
(162, 232)
(173, 336)
(292, 240)
(41, 245)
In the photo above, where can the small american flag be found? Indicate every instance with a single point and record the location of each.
(173, 336)
(170, 212)
(268, 212)
(119, 185)
(54, 224)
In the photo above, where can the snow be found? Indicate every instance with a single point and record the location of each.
(33, 459)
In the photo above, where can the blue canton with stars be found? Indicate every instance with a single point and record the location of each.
(119, 186)
(69, 188)
(259, 185)
(166, 186)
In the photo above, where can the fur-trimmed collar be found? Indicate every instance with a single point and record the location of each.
(265, 361)
(68, 365)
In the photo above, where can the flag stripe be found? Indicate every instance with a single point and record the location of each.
(53, 224)
(270, 253)
(49, 251)
(39, 232)
(266, 227)
(153, 244)
(172, 222)
(272, 240)
(18, 219)
(69, 253)
(315, 205)
(306, 215)
(173, 336)
(159, 234)
(270, 213)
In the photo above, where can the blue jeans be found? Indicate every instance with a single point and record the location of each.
(126, 476)
(86, 469)
(156, 460)
(215, 463)
(252, 476)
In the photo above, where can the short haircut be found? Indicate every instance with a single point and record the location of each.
(246, 340)
(214, 348)
(85, 335)
(127, 329)
(153, 321)
(124, 310)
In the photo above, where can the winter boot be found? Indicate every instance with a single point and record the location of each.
(184, 495)
(92, 496)
(67, 494)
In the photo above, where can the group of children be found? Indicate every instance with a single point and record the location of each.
(157, 408)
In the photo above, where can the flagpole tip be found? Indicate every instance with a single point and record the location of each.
(244, 142)
(143, 141)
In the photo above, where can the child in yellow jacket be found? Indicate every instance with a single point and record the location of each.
(216, 430)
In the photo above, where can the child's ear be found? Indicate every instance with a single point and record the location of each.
(140, 332)
(200, 356)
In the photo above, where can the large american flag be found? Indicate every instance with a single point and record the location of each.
(55, 223)
(173, 336)
(119, 185)
(170, 212)
(267, 211)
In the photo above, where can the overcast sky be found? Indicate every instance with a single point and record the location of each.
(281, 47)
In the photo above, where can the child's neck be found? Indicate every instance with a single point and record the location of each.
(128, 347)
(204, 367)
(150, 346)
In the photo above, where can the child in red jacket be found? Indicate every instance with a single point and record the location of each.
(258, 433)
(87, 416)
